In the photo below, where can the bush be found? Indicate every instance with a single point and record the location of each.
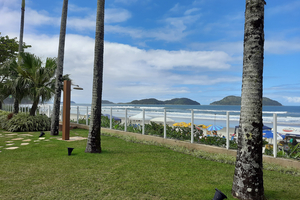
(23, 122)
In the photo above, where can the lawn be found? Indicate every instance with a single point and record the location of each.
(124, 170)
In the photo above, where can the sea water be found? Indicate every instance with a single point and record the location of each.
(203, 114)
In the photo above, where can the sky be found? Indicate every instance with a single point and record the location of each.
(163, 49)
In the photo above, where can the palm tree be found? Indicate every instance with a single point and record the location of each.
(59, 71)
(10, 86)
(37, 80)
(248, 176)
(94, 140)
(16, 101)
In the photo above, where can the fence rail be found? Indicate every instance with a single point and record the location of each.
(76, 116)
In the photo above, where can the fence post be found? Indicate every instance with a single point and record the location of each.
(87, 116)
(110, 120)
(275, 135)
(48, 110)
(165, 124)
(61, 112)
(227, 130)
(143, 130)
(192, 127)
(125, 129)
(77, 114)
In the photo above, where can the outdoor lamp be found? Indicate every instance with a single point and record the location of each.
(77, 87)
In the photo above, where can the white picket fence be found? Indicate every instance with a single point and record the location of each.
(46, 109)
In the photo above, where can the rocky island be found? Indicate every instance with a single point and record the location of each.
(235, 100)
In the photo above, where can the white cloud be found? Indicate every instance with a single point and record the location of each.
(130, 72)
(293, 99)
(114, 15)
(282, 46)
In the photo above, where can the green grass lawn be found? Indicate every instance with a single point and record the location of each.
(124, 170)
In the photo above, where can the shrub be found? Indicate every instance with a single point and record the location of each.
(23, 122)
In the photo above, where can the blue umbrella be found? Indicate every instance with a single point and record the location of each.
(269, 134)
(115, 118)
(214, 128)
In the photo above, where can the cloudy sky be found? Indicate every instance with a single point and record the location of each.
(163, 49)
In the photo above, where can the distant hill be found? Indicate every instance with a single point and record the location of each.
(107, 102)
(176, 101)
(235, 100)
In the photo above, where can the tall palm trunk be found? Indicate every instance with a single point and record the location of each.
(248, 176)
(94, 140)
(59, 70)
(16, 101)
(34, 106)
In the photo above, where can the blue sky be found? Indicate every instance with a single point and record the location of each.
(164, 49)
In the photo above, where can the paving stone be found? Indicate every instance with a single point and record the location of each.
(22, 144)
(11, 148)
(41, 138)
(27, 140)
(26, 135)
(18, 139)
(10, 144)
(11, 134)
(9, 141)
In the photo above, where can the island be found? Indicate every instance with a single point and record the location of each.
(176, 101)
(107, 102)
(235, 100)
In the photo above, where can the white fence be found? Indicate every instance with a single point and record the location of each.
(75, 112)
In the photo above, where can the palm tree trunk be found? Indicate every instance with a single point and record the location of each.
(16, 102)
(22, 26)
(94, 140)
(16, 106)
(34, 107)
(248, 176)
(59, 70)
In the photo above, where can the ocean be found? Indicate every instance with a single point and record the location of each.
(203, 114)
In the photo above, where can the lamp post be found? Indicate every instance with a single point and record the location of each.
(66, 109)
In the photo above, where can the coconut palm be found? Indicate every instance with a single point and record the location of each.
(37, 80)
(10, 86)
(248, 176)
(94, 140)
(59, 71)
(17, 101)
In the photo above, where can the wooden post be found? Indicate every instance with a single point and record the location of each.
(66, 110)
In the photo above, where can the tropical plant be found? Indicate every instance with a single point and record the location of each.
(22, 122)
(94, 140)
(248, 176)
(37, 79)
(59, 71)
(8, 53)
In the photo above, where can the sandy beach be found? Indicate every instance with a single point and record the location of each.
(221, 132)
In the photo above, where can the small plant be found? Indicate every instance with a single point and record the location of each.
(10, 115)
(22, 122)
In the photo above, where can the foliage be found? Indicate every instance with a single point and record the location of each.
(292, 151)
(9, 48)
(22, 122)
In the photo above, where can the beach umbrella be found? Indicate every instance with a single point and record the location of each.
(214, 128)
(161, 119)
(203, 126)
(269, 134)
(140, 117)
(115, 118)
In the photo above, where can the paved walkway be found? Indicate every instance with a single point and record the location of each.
(27, 139)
